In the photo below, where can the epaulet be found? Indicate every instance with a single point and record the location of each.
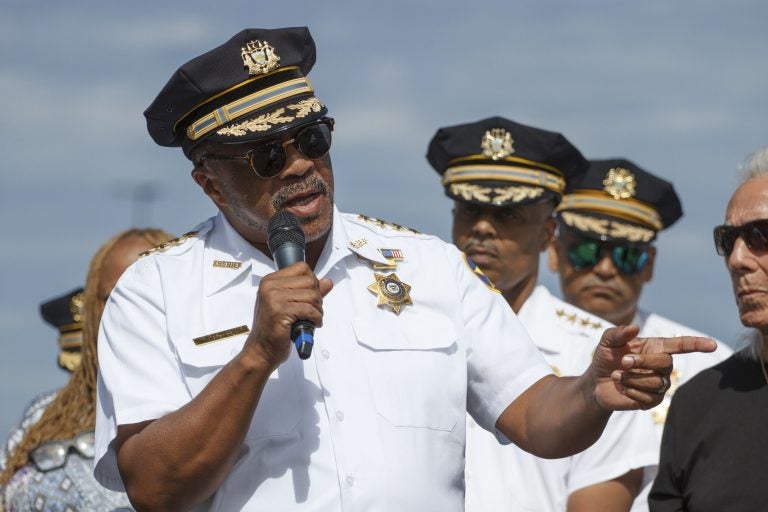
(386, 225)
(579, 319)
(170, 243)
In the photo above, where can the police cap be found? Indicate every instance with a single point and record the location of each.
(499, 162)
(251, 87)
(618, 200)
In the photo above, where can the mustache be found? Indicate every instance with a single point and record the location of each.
(311, 185)
(474, 245)
(591, 281)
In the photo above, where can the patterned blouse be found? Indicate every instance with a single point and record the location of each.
(69, 488)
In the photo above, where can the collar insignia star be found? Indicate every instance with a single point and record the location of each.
(391, 291)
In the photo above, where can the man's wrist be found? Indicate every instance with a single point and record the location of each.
(254, 360)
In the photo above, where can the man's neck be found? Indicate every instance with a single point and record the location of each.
(314, 250)
(625, 319)
(517, 295)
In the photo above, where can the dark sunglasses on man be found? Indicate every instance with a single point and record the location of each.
(313, 140)
(53, 454)
(628, 259)
(754, 234)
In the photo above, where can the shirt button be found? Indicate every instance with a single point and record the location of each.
(350, 480)
(325, 354)
(339, 415)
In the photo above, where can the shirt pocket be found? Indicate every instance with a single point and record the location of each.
(416, 372)
(279, 408)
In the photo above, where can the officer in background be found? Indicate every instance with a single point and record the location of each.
(604, 254)
(505, 179)
(66, 314)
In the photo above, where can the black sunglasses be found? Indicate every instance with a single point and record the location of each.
(268, 159)
(754, 234)
(628, 259)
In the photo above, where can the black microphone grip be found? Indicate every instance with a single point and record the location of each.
(286, 241)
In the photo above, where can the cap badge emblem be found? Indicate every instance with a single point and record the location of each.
(620, 183)
(259, 58)
(391, 291)
(76, 307)
(497, 143)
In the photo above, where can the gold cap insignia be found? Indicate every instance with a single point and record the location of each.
(620, 183)
(76, 307)
(497, 143)
(259, 58)
(391, 291)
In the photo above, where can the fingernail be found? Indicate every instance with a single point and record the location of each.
(628, 361)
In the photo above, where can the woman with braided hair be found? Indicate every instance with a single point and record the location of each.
(50, 467)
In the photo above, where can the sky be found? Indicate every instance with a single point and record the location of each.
(677, 87)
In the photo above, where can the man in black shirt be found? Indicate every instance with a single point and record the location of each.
(713, 453)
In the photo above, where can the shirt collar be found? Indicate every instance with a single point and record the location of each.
(539, 307)
(228, 255)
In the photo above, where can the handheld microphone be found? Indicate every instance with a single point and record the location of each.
(285, 239)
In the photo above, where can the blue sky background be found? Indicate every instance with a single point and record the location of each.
(678, 87)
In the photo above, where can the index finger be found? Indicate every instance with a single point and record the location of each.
(682, 345)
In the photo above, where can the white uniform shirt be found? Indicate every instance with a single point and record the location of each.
(685, 367)
(506, 478)
(373, 421)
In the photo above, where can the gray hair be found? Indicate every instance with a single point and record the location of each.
(753, 339)
(755, 165)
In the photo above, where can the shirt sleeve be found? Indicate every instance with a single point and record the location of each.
(628, 442)
(502, 360)
(139, 376)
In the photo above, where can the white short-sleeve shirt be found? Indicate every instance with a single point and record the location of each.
(506, 478)
(374, 420)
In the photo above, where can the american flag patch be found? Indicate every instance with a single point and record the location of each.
(392, 254)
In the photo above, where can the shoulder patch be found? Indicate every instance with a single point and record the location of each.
(479, 273)
(170, 243)
(577, 320)
(386, 225)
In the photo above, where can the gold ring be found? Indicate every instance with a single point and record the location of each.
(665, 384)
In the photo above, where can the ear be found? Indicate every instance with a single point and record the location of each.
(206, 181)
(553, 263)
(549, 233)
(648, 269)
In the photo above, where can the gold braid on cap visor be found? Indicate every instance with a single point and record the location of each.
(627, 209)
(246, 105)
(550, 179)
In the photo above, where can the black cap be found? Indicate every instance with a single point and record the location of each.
(618, 200)
(500, 162)
(249, 88)
(65, 313)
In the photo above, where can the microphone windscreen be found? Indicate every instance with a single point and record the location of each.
(284, 228)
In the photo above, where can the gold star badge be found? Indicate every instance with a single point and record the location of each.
(391, 291)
